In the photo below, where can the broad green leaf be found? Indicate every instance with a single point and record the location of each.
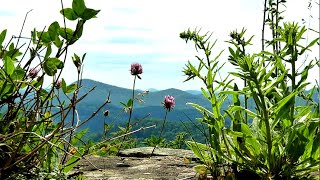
(57, 42)
(51, 65)
(6, 90)
(44, 36)
(66, 33)
(71, 88)
(18, 74)
(53, 30)
(78, 7)
(89, 13)
(69, 14)
(8, 65)
(2, 36)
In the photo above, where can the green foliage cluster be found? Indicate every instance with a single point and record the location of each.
(282, 141)
(37, 135)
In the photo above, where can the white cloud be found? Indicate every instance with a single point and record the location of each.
(153, 28)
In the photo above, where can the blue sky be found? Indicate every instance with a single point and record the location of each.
(147, 31)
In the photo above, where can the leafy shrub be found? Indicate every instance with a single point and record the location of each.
(39, 123)
(278, 138)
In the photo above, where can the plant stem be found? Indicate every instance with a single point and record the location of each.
(130, 114)
(162, 128)
(131, 108)
(266, 121)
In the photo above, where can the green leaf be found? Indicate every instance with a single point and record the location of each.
(38, 82)
(48, 52)
(8, 65)
(245, 129)
(11, 47)
(51, 65)
(78, 136)
(72, 161)
(57, 42)
(69, 14)
(201, 169)
(2, 36)
(309, 45)
(89, 13)
(64, 86)
(7, 90)
(71, 88)
(281, 104)
(34, 36)
(79, 28)
(53, 30)
(44, 36)
(198, 149)
(18, 74)
(78, 7)
(66, 33)
(130, 102)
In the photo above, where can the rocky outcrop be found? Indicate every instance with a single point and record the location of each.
(138, 163)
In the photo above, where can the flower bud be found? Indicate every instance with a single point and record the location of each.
(168, 102)
(136, 69)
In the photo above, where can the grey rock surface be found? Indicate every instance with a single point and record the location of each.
(138, 164)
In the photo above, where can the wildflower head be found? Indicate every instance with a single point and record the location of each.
(33, 72)
(136, 69)
(168, 102)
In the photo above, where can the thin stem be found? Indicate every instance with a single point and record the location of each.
(162, 128)
(131, 108)
(130, 113)
(265, 117)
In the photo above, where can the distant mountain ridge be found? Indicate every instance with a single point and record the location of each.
(152, 104)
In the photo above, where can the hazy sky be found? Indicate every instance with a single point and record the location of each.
(147, 31)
